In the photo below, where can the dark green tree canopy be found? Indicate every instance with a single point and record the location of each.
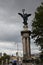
(37, 26)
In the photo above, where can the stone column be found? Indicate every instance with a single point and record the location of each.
(24, 49)
(26, 46)
(26, 43)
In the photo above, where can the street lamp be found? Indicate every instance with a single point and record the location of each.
(17, 53)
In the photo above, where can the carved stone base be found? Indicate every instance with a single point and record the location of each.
(25, 27)
(26, 63)
(27, 60)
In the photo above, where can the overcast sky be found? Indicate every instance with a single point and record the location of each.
(11, 23)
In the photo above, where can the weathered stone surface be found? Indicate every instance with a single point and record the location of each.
(26, 46)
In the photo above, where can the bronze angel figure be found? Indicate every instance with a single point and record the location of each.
(25, 17)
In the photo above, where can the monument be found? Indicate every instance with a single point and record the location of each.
(25, 33)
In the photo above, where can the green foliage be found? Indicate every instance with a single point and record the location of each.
(37, 26)
(4, 57)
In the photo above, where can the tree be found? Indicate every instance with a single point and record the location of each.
(4, 57)
(37, 26)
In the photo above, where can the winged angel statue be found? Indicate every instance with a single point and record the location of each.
(25, 17)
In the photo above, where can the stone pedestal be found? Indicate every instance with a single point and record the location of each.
(26, 45)
(26, 63)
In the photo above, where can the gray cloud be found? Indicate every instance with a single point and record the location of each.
(9, 33)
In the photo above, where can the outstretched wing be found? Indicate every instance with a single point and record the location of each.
(28, 15)
(21, 15)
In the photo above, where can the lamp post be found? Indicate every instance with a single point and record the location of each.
(17, 53)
